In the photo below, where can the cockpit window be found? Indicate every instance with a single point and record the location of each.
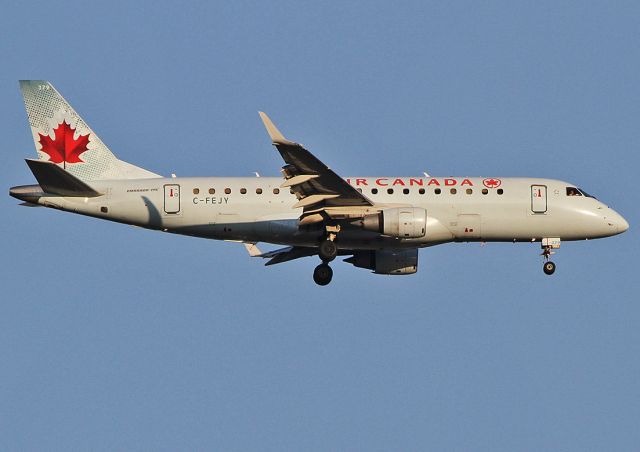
(584, 193)
(573, 191)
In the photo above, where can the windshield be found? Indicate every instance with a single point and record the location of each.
(586, 194)
(573, 191)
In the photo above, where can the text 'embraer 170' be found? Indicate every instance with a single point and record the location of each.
(379, 223)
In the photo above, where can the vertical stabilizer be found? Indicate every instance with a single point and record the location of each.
(61, 136)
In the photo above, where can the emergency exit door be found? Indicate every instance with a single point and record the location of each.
(538, 198)
(172, 198)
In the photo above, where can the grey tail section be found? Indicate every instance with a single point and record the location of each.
(56, 181)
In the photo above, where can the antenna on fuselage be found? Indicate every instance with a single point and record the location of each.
(256, 173)
(425, 174)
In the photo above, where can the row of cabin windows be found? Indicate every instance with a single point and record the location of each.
(374, 191)
(227, 191)
(437, 191)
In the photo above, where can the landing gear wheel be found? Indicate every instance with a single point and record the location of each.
(549, 267)
(322, 274)
(327, 250)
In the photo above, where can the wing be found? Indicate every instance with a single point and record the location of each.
(315, 185)
(280, 255)
(287, 254)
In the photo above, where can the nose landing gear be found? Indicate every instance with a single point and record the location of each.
(548, 245)
(549, 267)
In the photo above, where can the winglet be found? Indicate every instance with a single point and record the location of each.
(272, 130)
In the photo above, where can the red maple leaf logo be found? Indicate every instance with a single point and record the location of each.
(492, 183)
(64, 148)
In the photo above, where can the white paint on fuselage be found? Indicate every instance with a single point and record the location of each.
(228, 214)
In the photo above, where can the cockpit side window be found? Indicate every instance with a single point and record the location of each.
(584, 193)
(573, 191)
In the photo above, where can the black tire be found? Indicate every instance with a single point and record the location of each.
(322, 274)
(549, 267)
(327, 250)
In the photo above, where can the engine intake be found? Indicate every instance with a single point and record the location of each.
(401, 222)
(387, 262)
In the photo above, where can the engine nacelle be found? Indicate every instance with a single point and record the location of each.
(401, 222)
(387, 262)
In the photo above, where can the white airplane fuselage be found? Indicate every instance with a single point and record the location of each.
(377, 222)
(258, 209)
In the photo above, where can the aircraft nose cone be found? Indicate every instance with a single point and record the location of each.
(623, 225)
(618, 221)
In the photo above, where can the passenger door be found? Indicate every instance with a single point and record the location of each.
(172, 198)
(539, 198)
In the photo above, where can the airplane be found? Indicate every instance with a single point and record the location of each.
(377, 223)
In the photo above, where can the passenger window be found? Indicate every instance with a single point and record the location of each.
(374, 191)
(485, 191)
(196, 191)
(469, 191)
(359, 190)
(212, 191)
(453, 191)
(243, 191)
(421, 191)
(500, 191)
(276, 191)
(573, 191)
(405, 191)
(227, 191)
(437, 191)
(258, 191)
(390, 191)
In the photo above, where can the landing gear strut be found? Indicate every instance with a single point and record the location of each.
(327, 250)
(548, 245)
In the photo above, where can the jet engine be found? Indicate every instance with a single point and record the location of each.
(401, 222)
(387, 262)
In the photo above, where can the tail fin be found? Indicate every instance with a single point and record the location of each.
(62, 137)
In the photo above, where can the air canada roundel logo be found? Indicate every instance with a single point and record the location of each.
(492, 183)
(64, 147)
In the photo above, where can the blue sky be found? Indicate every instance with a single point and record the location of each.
(117, 338)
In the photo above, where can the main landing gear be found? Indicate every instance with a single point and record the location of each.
(548, 245)
(322, 274)
(327, 250)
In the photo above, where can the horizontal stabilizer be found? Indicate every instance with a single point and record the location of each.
(57, 181)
